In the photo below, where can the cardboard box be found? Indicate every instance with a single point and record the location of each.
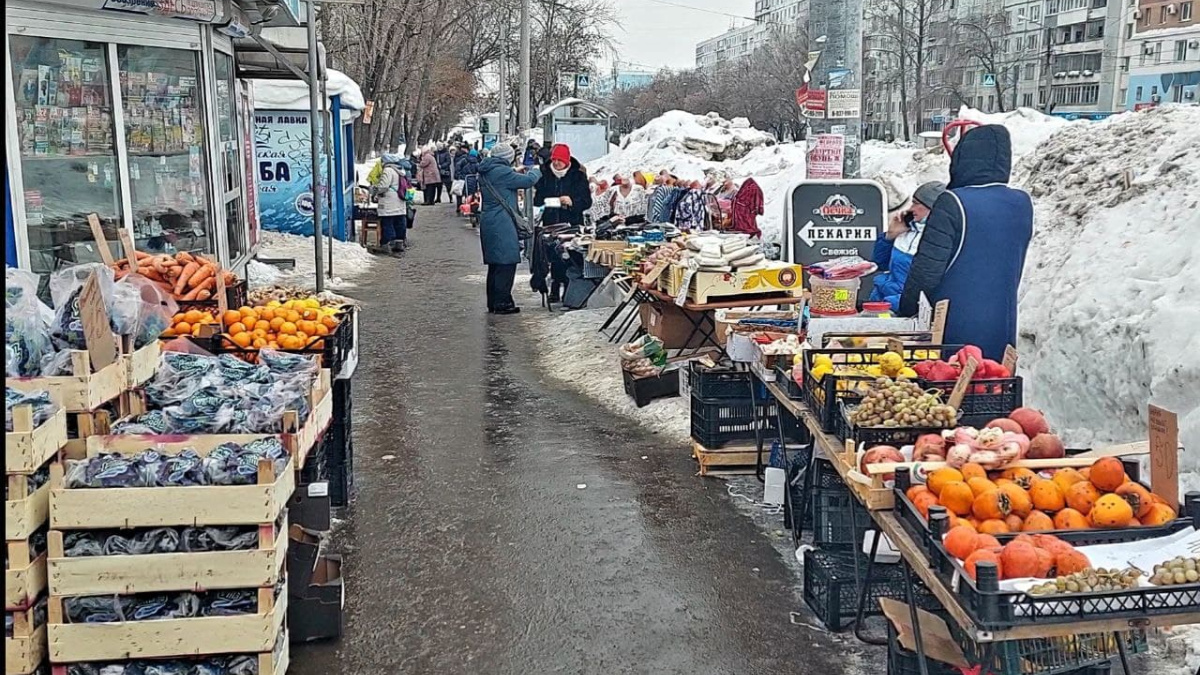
(304, 550)
(319, 613)
(310, 507)
(671, 324)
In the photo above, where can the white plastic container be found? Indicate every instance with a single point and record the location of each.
(834, 297)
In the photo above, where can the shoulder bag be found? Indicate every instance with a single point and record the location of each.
(524, 231)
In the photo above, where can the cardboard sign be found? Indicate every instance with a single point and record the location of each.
(101, 345)
(1164, 455)
(940, 310)
(895, 345)
(655, 272)
(1010, 359)
(102, 241)
(130, 249)
(964, 380)
(222, 295)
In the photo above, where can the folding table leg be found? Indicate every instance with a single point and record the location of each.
(1124, 655)
(758, 435)
(915, 618)
(864, 591)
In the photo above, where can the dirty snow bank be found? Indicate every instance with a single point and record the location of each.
(572, 351)
(1110, 316)
(350, 261)
(693, 146)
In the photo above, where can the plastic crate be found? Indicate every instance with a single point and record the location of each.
(341, 478)
(831, 586)
(783, 377)
(872, 436)
(237, 295)
(1082, 654)
(718, 422)
(839, 521)
(801, 458)
(903, 662)
(994, 609)
(823, 397)
(643, 390)
(333, 348)
(719, 382)
(985, 399)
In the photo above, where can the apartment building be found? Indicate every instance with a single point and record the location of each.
(1160, 62)
(770, 16)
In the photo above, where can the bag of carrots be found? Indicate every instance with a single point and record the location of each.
(185, 276)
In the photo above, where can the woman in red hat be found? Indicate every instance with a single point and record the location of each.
(565, 184)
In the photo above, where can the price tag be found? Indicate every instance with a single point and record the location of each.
(102, 241)
(841, 295)
(964, 380)
(1164, 455)
(895, 345)
(101, 345)
(1010, 359)
(939, 320)
(130, 251)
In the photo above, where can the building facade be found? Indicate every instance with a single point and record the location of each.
(1160, 62)
(770, 16)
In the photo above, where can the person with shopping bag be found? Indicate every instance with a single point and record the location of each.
(501, 226)
(564, 194)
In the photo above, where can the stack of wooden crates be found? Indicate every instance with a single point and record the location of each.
(40, 579)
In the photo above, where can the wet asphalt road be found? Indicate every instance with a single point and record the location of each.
(472, 550)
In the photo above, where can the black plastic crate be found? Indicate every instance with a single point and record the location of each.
(237, 295)
(341, 479)
(824, 396)
(719, 422)
(800, 458)
(1081, 654)
(985, 399)
(723, 381)
(783, 377)
(903, 662)
(872, 436)
(333, 349)
(994, 609)
(839, 521)
(831, 586)
(643, 390)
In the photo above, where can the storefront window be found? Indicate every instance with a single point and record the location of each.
(164, 135)
(231, 154)
(69, 167)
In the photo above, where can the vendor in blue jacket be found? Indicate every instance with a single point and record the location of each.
(896, 246)
(972, 249)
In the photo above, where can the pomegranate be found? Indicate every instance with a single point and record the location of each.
(1046, 446)
(1032, 421)
(880, 454)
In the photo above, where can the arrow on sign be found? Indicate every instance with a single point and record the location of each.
(811, 233)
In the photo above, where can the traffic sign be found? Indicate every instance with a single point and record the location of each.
(989, 79)
(582, 80)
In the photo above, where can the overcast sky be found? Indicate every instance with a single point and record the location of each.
(657, 33)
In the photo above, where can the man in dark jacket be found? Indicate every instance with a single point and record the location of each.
(563, 179)
(466, 169)
(972, 250)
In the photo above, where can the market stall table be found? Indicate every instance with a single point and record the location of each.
(916, 563)
(702, 316)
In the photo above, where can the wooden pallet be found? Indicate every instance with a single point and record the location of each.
(25, 577)
(735, 460)
(25, 651)
(26, 447)
(83, 390)
(197, 636)
(94, 508)
(24, 516)
(165, 572)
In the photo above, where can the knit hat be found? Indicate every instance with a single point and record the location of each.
(560, 153)
(928, 193)
(503, 151)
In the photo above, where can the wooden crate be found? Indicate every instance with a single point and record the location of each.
(161, 638)
(25, 577)
(165, 572)
(142, 364)
(872, 493)
(727, 461)
(274, 662)
(93, 508)
(25, 651)
(299, 436)
(26, 447)
(24, 516)
(83, 390)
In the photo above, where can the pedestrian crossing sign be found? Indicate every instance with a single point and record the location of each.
(989, 79)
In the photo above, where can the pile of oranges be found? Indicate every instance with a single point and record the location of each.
(295, 324)
(190, 323)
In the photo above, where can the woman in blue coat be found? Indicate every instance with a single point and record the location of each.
(498, 180)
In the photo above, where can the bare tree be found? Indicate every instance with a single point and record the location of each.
(982, 41)
(912, 30)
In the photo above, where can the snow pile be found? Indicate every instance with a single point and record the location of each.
(695, 146)
(350, 261)
(1110, 318)
(293, 94)
(573, 352)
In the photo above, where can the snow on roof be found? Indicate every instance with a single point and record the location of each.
(293, 94)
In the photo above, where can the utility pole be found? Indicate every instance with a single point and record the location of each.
(503, 121)
(523, 112)
(314, 121)
(838, 72)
